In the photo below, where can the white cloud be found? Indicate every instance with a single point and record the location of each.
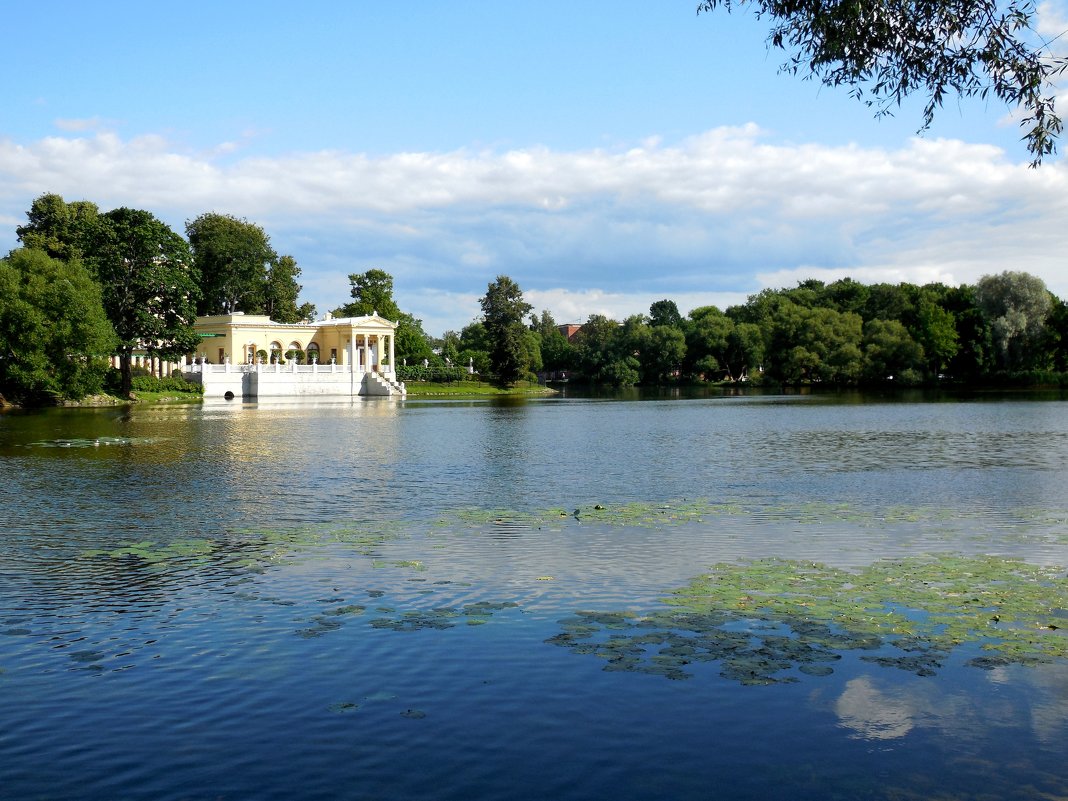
(708, 219)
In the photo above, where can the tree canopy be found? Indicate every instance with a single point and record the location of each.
(232, 257)
(887, 50)
(149, 284)
(54, 333)
(372, 293)
(514, 350)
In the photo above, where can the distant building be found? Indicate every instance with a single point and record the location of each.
(569, 330)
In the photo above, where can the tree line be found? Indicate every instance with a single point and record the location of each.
(87, 284)
(1005, 327)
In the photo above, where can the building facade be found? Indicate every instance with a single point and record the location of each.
(251, 356)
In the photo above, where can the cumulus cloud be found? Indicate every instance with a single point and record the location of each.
(710, 218)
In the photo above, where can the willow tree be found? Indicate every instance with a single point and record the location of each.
(887, 50)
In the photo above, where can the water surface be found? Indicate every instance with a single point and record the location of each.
(360, 599)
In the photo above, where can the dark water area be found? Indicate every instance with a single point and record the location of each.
(367, 599)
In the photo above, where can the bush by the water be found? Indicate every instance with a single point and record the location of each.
(143, 381)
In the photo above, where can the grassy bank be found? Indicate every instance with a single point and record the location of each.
(472, 388)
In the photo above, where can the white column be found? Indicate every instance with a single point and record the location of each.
(392, 366)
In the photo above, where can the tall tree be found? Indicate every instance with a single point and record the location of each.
(149, 283)
(503, 310)
(232, 257)
(893, 49)
(54, 334)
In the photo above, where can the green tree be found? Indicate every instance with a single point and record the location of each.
(815, 345)
(475, 346)
(413, 344)
(282, 291)
(936, 333)
(707, 343)
(1016, 306)
(60, 229)
(372, 293)
(604, 353)
(54, 334)
(232, 257)
(149, 285)
(556, 352)
(973, 48)
(503, 310)
(890, 353)
(665, 312)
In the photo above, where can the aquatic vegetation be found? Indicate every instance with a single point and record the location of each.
(761, 620)
(444, 617)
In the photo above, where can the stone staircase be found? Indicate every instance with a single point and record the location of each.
(378, 384)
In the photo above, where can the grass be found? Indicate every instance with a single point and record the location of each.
(462, 388)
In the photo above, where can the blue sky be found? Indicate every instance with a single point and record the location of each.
(602, 154)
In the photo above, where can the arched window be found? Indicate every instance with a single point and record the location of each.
(276, 352)
(313, 352)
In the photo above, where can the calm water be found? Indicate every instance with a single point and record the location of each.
(353, 600)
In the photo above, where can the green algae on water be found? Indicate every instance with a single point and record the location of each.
(765, 620)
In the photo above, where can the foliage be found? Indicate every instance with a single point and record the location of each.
(231, 256)
(1016, 306)
(53, 329)
(149, 284)
(60, 229)
(144, 382)
(973, 48)
(281, 292)
(372, 293)
(513, 354)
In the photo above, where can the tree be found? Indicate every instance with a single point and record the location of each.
(231, 256)
(372, 293)
(973, 48)
(149, 285)
(707, 342)
(412, 342)
(281, 292)
(60, 229)
(890, 353)
(665, 312)
(503, 310)
(53, 330)
(1016, 306)
(556, 352)
(815, 344)
(475, 345)
(604, 354)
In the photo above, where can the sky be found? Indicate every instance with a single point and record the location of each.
(603, 154)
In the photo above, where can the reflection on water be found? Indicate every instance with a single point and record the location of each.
(875, 708)
(282, 600)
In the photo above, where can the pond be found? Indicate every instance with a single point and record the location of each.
(730, 597)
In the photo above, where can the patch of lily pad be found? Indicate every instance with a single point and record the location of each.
(443, 617)
(767, 620)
